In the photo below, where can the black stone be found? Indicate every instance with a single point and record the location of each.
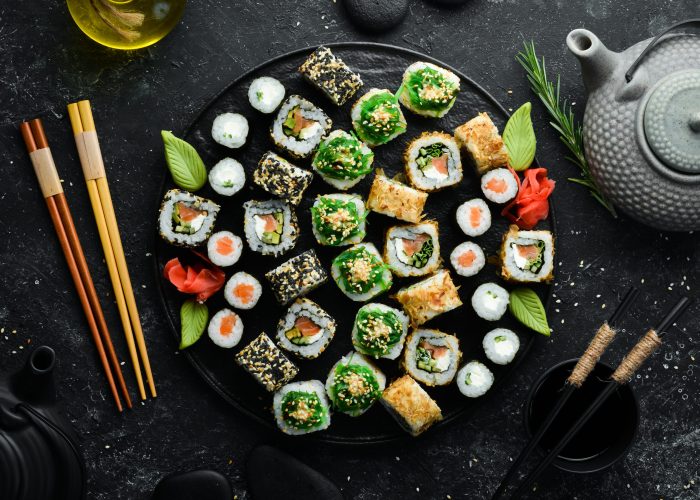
(193, 485)
(376, 15)
(449, 3)
(272, 473)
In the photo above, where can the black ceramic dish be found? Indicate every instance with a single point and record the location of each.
(605, 439)
(380, 66)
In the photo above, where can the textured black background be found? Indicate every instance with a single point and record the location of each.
(45, 62)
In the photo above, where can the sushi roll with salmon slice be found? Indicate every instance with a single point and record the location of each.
(432, 161)
(225, 328)
(413, 250)
(360, 272)
(428, 90)
(306, 329)
(467, 259)
(474, 217)
(242, 291)
(429, 297)
(527, 256)
(354, 384)
(499, 185)
(431, 356)
(299, 127)
(224, 248)
(379, 331)
(185, 219)
(271, 227)
(301, 408)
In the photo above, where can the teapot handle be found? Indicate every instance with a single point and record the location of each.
(637, 62)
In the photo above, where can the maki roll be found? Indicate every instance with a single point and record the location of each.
(266, 363)
(392, 198)
(377, 117)
(379, 331)
(331, 75)
(501, 345)
(224, 248)
(499, 185)
(432, 161)
(467, 259)
(430, 297)
(296, 277)
(527, 256)
(282, 179)
(490, 301)
(354, 384)
(474, 379)
(230, 130)
(301, 408)
(479, 137)
(360, 272)
(338, 219)
(271, 227)
(409, 404)
(306, 329)
(299, 127)
(227, 177)
(185, 219)
(474, 217)
(413, 250)
(265, 94)
(242, 291)
(225, 328)
(342, 160)
(431, 356)
(428, 90)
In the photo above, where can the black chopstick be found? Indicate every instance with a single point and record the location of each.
(624, 305)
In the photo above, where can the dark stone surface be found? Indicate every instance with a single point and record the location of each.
(46, 62)
(376, 16)
(193, 485)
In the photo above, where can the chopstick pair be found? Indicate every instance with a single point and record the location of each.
(644, 348)
(50, 184)
(88, 147)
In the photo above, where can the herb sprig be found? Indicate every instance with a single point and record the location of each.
(563, 120)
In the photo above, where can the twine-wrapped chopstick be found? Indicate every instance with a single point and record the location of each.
(98, 189)
(50, 184)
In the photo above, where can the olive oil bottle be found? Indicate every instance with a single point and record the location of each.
(126, 24)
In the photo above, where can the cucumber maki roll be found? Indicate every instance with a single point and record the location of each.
(428, 90)
(501, 345)
(360, 272)
(431, 356)
(306, 329)
(377, 117)
(474, 379)
(301, 408)
(299, 127)
(354, 384)
(185, 219)
(432, 161)
(342, 160)
(338, 219)
(413, 250)
(271, 227)
(379, 331)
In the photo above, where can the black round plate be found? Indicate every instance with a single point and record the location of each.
(380, 66)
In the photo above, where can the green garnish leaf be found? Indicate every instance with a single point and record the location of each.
(527, 308)
(185, 165)
(193, 320)
(519, 138)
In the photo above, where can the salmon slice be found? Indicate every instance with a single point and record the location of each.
(270, 223)
(306, 326)
(440, 164)
(227, 324)
(528, 252)
(245, 292)
(300, 123)
(412, 246)
(497, 185)
(186, 213)
(224, 245)
(436, 351)
(475, 216)
(467, 258)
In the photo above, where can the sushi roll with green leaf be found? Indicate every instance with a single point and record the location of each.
(431, 356)
(342, 160)
(306, 329)
(360, 272)
(377, 117)
(338, 219)
(186, 219)
(413, 250)
(474, 379)
(432, 161)
(354, 384)
(428, 90)
(302, 408)
(299, 127)
(271, 227)
(379, 331)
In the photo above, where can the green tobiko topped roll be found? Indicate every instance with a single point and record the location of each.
(338, 219)
(360, 272)
(342, 160)
(377, 117)
(428, 90)
(379, 331)
(354, 384)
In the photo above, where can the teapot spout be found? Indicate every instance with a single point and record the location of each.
(34, 382)
(597, 61)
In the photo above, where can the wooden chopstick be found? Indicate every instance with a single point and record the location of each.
(100, 197)
(35, 140)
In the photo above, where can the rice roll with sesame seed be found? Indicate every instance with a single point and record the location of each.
(377, 117)
(186, 219)
(331, 75)
(224, 248)
(265, 94)
(242, 290)
(227, 177)
(501, 345)
(474, 379)
(296, 277)
(431, 356)
(467, 259)
(432, 161)
(354, 384)
(282, 179)
(428, 90)
(342, 160)
(338, 219)
(360, 272)
(474, 217)
(499, 185)
(263, 360)
(305, 329)
(413, 250)
(299, 127)
(225, 328)
(271, 227)
(527, 256)
(490, 301)
(230, 130)
(379, 331)
(301, 408)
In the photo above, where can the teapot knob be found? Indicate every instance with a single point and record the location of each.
(694, 122)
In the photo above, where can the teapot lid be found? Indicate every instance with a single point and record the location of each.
(672, 121)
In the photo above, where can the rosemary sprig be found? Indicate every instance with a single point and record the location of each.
(563, 121)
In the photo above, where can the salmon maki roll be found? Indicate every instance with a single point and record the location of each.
(224, 248)
(474, 217)
(242, 291)
(499, 185)
(225, 329)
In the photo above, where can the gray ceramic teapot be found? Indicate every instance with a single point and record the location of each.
(641, 127)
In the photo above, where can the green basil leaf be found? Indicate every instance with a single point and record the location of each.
(185, 165)
(527, 308)
(193, 320)
(519, 138)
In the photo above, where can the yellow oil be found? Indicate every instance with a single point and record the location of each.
(126, 24)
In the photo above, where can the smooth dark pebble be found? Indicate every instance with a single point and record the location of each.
(376, 15)
(193, 485)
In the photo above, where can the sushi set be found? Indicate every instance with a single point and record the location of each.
(353, 251)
